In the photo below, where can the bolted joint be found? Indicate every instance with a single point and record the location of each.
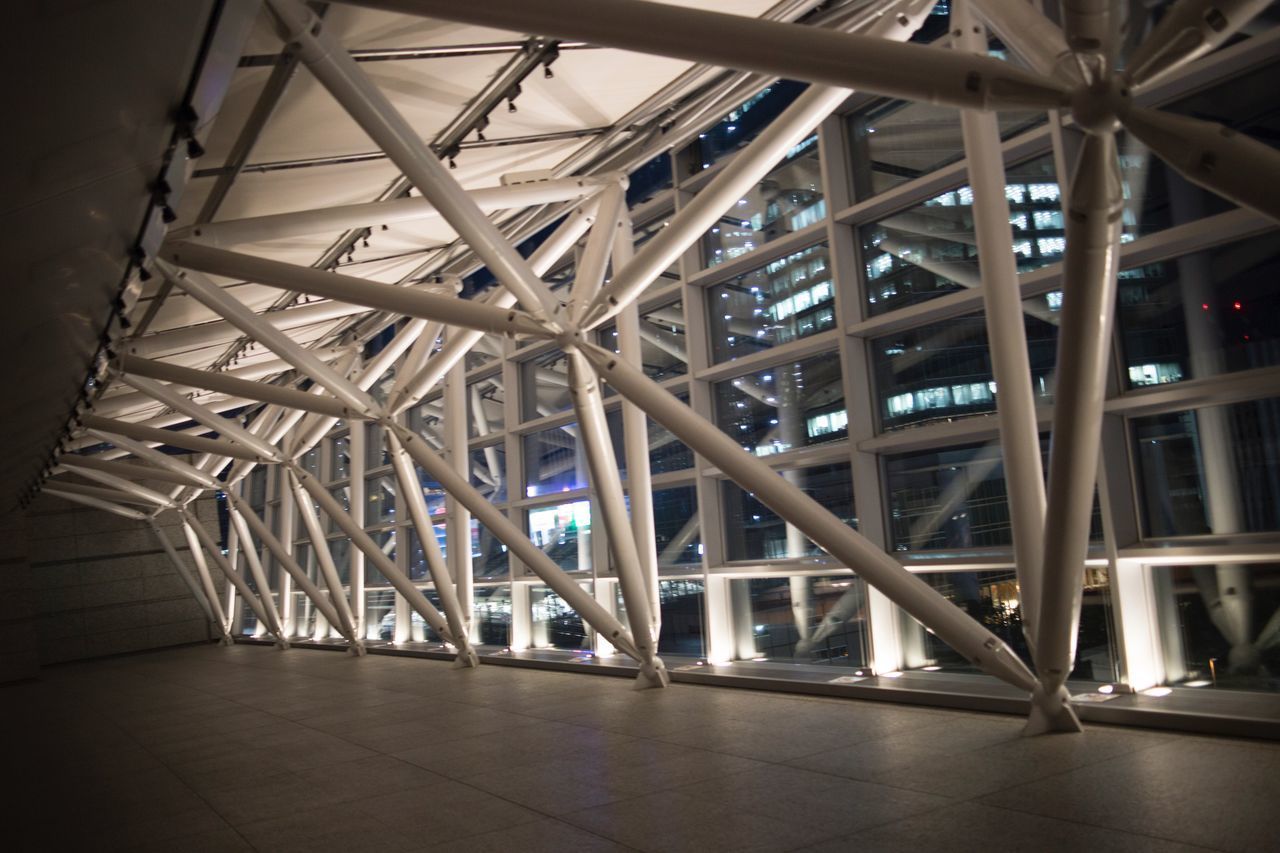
(1099, 107)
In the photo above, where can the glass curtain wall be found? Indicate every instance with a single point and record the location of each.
(832, 323)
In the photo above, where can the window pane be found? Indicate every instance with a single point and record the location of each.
(380, 497)
(663, 353)
(1210, 471)
(745, 123)
(380, 614)
(564, 533)
(893, 142)
(677, 528)
(785, 300)
(753, 532)
(552, 462)
(488, 556)
(991, 598)
(790, 405)
(418, 571)
(1203, 314)
(485, 406)
(375, 452)
(555, 623)
(681, 603)
(1220, 625)
(545, 382)
(930, 249)
(343, 496)
(489, 472)
(492, 609)
(955, 499)
(340, 458)
(802, 620)
(943, 371)
(386, 541)
(788, 199)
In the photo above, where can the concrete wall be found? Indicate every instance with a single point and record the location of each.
(19, 650)
(100, 584)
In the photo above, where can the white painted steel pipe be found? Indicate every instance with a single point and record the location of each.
(190, 522)
(206, 581)
(99, 492)
(908, 71)
(458, 526)
(128, 470)
(1093, 225)
(259, 575)
(278, 394)
(732, 183)
(60, 490)
(230, 308)
(254, 229)
(72, 462)
(381, 561)
(387, 297)
(221, 332)
(219, 424)
(333, 66)
(635, 441)
(457, 346)
(593, 432)
(913, 595)
(183, 572)
(1187, 30)
(190, 474)
(589, 275)
(290, 565)
(508, 534)
(199, 444)
(411, 489)
(1031, 35)
(1006, 336)
(320, 546)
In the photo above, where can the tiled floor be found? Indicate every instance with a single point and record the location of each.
(249, 748)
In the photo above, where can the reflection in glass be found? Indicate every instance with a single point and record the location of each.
(386, 541)
(663, 353)
(340, 458)
(418, 560)
(340, 551)
(786, 406)
(343, 495)
(681, 604)
(991, 598)
(786, 299)
(553, 462)
(380, 497)
(375, 451)
(1203, 314)
(943, 370)
(677, 528)
(954, 498)
(485, 406)
(545, 385)
(812, 620)
(488, 555)
(743, 124)
(1220, 625)
(930, 249)
(489, 472)
(1214, 470)
(788, 199)
(754, 532)
(555, 623)
(492, 620)
(564, 533)
(893, 142)
(380, 614)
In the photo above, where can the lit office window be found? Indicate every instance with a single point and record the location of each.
(787, 299)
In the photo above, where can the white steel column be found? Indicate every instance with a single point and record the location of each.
(458, 525)
(593, 434)
(206, 581)
(183, 572)
(320, 546)
(950, 623)
(1006, 336)
(190, 522)
(254, 561)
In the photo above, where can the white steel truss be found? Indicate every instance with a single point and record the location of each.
(1073, 70)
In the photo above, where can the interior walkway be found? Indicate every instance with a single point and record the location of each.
(248, 748)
